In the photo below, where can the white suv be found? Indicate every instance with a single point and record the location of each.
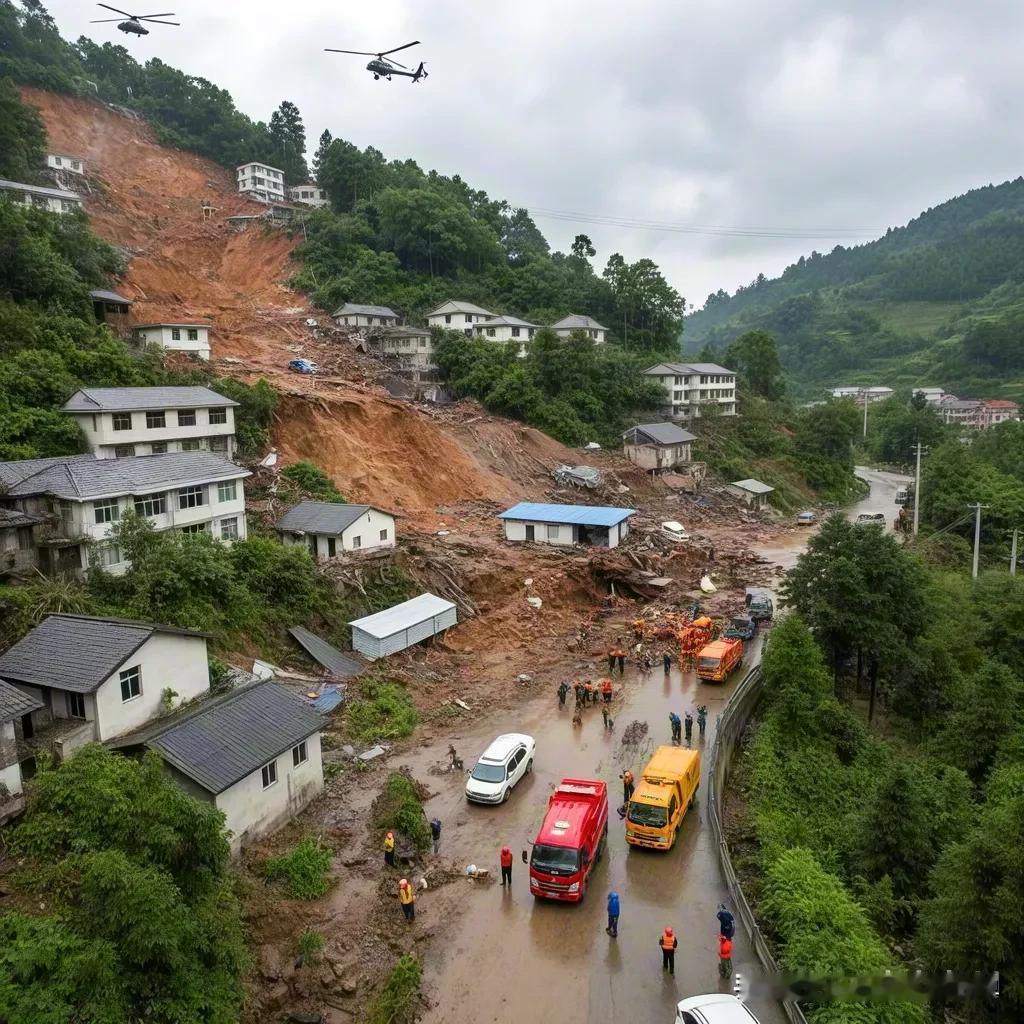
(500, 767)
(713, 1009)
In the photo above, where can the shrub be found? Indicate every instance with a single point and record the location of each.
(312, 482)
(304, 869)
(311, 942)
(399, 808)
(397, 1001)
(383, 710)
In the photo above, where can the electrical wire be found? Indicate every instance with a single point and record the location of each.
(945, 529)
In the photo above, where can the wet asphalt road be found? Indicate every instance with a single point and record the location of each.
(513, 959)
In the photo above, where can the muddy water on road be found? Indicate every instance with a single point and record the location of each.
(511, 958)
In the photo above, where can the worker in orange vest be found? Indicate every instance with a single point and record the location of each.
(668, 943)
(389, 849)
(588, 692)
(408, 899)
(606, 691)
(617, 654)
(506, 866)
(724, 956)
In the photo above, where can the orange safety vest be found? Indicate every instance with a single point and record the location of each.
(406, 895)
(588, 687)
(667, 940)
(389, 843)
(606, 686)
(506, 858)
(725, 947)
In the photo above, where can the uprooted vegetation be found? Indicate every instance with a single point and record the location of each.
(399, 809)
(304, 870)
(397, 1001)
(382, 710)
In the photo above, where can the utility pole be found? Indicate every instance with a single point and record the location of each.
(1013, 553)
(977, 506)
(917, 488)
(864, 398)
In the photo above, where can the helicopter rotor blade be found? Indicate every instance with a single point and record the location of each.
(395, 62)
(358, 53)
(104, 21)
(397, 48)
(157, 21)
(124, 14)
(162, 14)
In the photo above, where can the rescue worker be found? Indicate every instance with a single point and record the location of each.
(666, 660)
(506, 866)
(563, 690)
(668, 943)
(613, 915)
(620, 656)
(702, 719)
(408, 899)
(724, 956)
(677, 726)
(604, 716)
(389, 849)
(588, 692)
(606, 691)
(435, 834)
(726, 924)
(688, 723)
(627, 786)
(613, 653)
(580, 693)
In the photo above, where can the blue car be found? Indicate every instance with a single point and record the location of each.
(303, 366)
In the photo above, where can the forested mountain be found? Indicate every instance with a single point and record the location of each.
(940, 301)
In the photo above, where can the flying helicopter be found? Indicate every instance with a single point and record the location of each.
(383, 67)
(133, 26)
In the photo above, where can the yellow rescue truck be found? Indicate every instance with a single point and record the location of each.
(666, 790)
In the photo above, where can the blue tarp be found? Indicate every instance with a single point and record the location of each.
(330, 696)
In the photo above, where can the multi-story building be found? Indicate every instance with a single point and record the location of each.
(997, 410)
(194, 338)
(457, 316)
(588, 325)
(120, 423)
(261, 180)
(408, 349)
(960, 412)
(62, 162)
(56, 200)
(689, 387)
(503, 329)
(353, 314)
(308, 194)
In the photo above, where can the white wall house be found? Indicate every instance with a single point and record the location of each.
(98, 678)
(503, 329)
(56, 200)
(189, 491)
(261, 180)
(63, 162)
(575, 323)
(565, 525)
(330, 529)
(194, 338)
(15, 706)
(752, 492)
(690, 386)
(353, 314)
(457, 316)
(124, 422)
(657, 447)
(308, 194)
(405, 348)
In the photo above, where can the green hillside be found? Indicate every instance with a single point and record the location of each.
(940, 302)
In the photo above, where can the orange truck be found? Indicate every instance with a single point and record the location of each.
(718, 659)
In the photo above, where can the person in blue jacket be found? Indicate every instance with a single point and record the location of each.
(613, 914)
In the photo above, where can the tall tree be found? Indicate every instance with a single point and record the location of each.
(321, 151)
(288, 136)
(755, 357)
(22, 137)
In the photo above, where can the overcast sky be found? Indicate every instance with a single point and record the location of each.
(830, 120)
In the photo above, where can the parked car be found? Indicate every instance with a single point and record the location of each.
(716, 1008)
(760, 606)
(871, 519)
(742, 627)
(807, 519)
(674, 530)
(505, 762)
(303, 366)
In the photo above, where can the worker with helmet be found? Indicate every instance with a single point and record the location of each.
(627, 786)
(408, 899)
(506, 866)
(606, 691)
(668, 943)
(389, 849)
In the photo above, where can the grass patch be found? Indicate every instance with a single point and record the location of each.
(400, 809)
(303, 869)
(383, 710)
(310, 945)
(400, 996)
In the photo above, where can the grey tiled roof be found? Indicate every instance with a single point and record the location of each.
(80, 480)
(77, 652)
(339, 664)
(503, 321)
(355, 309)
(321, 517)
(459, 307)
(12, 473)
(576, 322)
(12, 518)
(225, 739)
(682, 369)
(129, 399)
(663, 433)
(14, 703)
(38, 190)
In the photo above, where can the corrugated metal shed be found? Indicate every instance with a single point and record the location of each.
(335, 661)
(752, 486)
(394, 629)
(582, 515)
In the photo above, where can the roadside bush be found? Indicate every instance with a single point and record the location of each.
(399, 807)
(303, 869)
(312, 482)
(397, 1001)
(383, 710)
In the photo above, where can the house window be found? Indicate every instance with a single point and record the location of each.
(122, 421)
(332, 547)
(192, 445)
(151, 505)
(469, 318)
(218, 416)
(159, 448)
(299, 754)
(131, 683)
(229, 529)
(192, 333)
(186, 417)
(67, 206)
(76, 705)
(107, 554)
(447, 318)
(357, 542)
(423, 342)
(155, 420)
(191, 497)
(218, 444)
(196, 528)
(490, 332)
(175, 334)
(75, 165)
(124, 451)
(227, 490)
(56, 160)
(24, 538)
(552, 532)
(383, 534)
(269, 773)
(515, 332)
(106, 511)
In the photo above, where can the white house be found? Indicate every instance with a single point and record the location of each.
(261, 180)
(195, 492)
(876, 393)
(194, 338)
(405, 624)
(63, 162)
(254, 753)
(56, 200)
(502, 329)
(657, 447)
(457, 316)
(998, 410)
(329, 529)
(575, 323)
(961, 412)
(99, 678)
(308, 194)
(932, 395)
(689, 387)
(15, 706)
(752, 492)
(564, 525)
(355, 315)
(123, 422)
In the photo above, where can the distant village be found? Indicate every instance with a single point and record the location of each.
(972, 414)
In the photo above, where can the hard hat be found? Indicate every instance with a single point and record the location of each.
(404, 883)
(391, 835)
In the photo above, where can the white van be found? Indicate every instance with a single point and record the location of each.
(715, 1008)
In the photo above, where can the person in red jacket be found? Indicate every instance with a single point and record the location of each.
(506, 866)
(724, 956)
(668, 943)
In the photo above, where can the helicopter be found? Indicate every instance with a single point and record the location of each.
(133, 26)
(383, 67)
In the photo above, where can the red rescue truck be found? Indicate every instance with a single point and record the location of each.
(571, 840)
(718, 659)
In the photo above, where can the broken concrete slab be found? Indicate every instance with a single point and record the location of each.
(373, 753)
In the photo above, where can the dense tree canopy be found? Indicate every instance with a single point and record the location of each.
(755, 357)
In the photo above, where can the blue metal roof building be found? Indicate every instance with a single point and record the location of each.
(541, 523)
